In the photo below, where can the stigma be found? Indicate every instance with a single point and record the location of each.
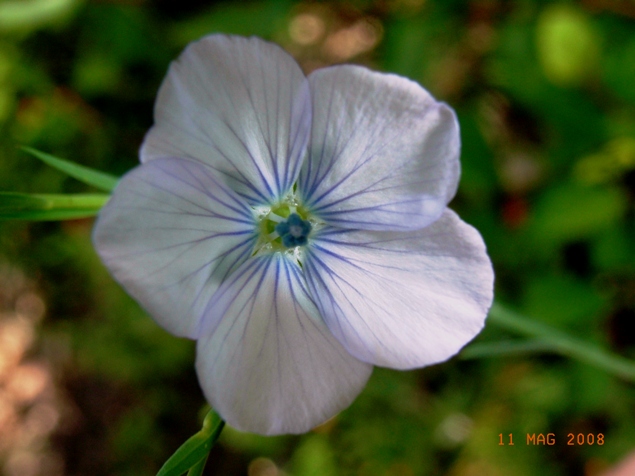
(294, 231)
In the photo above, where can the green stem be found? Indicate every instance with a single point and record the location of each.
(562, 343)
(500, 348)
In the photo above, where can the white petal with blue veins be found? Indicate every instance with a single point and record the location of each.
(242, 106)
(270, 365)
(402, 300)
(170, 234)
(384, 155)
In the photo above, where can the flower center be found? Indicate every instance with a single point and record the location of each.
(294, 231)
(284, 227)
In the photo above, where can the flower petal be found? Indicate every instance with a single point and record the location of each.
(383, 153)
(402, 299)
(170, 234)
(242, 106)
(270, 365)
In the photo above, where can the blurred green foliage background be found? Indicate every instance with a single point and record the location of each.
(545, 93)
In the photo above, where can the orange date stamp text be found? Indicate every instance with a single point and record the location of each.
(551, 439)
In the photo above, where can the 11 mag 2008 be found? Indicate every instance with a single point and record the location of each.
(549, 439)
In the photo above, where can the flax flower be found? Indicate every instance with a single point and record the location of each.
(296, 227)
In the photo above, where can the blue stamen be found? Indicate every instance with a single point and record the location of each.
(294, 231)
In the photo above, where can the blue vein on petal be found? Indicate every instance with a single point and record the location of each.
(301, 282)
(336, 154)
(186, 212)
(333, 154)
(277, 323)
(309, 190)
(296, 307)
(281, 187)
(261, 129)
(222, 256)
(207, 143)
(291, 157)
(210, 143)
(292, 275)
(364, 158)
(214, 314)
(373, 245)
(340, 316)
(243, 210)
(241, 258)
(238, 137)
(371, 188)
(192, 243)
(302, 118)
(269, 136)
(183, 212)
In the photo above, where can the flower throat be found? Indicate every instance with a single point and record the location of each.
(283, 227)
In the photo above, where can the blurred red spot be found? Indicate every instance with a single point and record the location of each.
(515, 211)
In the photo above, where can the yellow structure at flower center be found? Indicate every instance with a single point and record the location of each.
(284, 227)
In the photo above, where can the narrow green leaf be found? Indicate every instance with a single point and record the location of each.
(193, 453)
(24, 206)
(197, 469)
(100, 180)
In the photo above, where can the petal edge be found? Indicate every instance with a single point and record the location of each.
(270, 365)
(402, 299)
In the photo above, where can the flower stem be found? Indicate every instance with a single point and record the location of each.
(562, 343)
(502, 348)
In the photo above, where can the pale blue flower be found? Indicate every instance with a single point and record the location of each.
(298, 229)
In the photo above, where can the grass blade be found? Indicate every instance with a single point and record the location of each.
(97, 179)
